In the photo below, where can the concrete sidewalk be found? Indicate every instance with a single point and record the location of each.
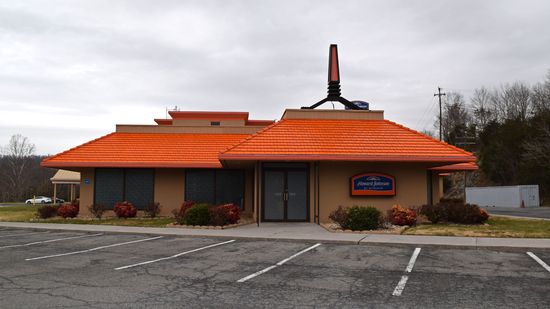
(298, 231)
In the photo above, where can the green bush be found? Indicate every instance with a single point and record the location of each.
(179, 214)
(363, 218)
(197, 215)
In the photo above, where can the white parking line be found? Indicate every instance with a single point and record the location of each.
(541, 262)
(175, 255)
(401, 285)
(277, 265)
(48, 241)
(93, 249)
(23, 234)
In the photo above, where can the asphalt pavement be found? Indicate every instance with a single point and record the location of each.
(47, 268)
(532, 212)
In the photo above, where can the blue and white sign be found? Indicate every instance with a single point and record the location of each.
(372, 184)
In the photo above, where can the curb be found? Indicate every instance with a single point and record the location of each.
(423, 241)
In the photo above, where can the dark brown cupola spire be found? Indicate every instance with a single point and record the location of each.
(334, 93)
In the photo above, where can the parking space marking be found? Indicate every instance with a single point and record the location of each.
(93, 249)
(263, 271)
(23, 234)
(538, 260)
(48, 241)
(175, 255)
(401, 285)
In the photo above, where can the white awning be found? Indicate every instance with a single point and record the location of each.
(66, 177)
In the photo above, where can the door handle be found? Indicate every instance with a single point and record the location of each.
(285, 196)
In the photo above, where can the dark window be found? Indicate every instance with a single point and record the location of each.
(139, 187)
(215, 186)
(116, 185)
(109, 187)
(199, 186)
(229, 187)
(214, 123)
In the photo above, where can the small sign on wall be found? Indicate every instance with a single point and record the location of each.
(87, 181)
(373, 184)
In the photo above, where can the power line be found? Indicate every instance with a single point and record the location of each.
(431, 112)
(428, 108)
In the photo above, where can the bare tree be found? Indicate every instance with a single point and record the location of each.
(541, 96)
(481, 107)
(512, 102)
(17, 154)
(456, 118)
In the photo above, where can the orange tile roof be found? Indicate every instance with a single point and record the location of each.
(343, 140)
(470, 166)
(147, 150)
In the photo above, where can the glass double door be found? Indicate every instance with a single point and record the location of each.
(285, 195)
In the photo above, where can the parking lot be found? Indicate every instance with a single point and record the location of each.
(41, 269)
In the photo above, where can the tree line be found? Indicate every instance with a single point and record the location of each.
(508, 128)
(21, 175)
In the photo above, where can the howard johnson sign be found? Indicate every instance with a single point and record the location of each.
(373, 184)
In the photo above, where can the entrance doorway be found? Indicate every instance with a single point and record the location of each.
(285, 193)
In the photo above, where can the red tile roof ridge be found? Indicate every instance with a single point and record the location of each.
(429, 137)
(74, 148)
(252, 136)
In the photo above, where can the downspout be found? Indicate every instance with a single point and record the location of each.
(314, 192)
(257, 189)
(429, 182)
(318, 192)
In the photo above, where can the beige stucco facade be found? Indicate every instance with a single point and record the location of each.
(169, 190)
(335, 187)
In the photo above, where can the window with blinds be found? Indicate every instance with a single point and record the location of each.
(215, 187)
(114, 185)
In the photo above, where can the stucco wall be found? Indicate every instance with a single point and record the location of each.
(169, 189)
(86, 191)
(410, 179)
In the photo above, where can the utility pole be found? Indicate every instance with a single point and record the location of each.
(439, 94)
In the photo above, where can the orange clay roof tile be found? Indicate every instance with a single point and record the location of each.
(470, 166)
(345, 140)
(147, 150)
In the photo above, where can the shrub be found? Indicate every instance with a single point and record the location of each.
(340, 216)
(97, 210)
(179, 214)
(402, 216)
(434, 213)
(363, 218)
(152, 209)
(67, 211)
(47, 211)
(455, 211)
(197, 215)
(125, 210)
(225, 214)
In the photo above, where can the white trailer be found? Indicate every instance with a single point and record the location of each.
(504, 196)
